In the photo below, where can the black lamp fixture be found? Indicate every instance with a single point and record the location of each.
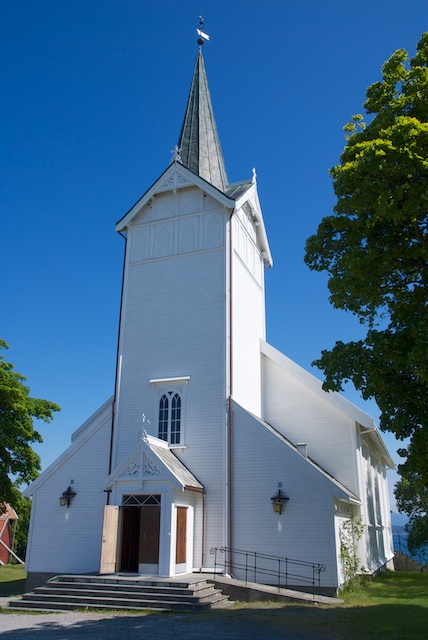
(67, 497)
(279, 500)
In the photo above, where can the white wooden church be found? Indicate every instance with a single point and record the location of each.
(213, 438)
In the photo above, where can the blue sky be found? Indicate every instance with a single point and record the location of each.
(94, 92)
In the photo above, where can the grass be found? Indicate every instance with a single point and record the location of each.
(12, 580)
(392, 606)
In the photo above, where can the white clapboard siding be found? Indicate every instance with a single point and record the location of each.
(306, 417)
(174, 327)
(248, 317)
(68, 539)
(174, 324)
(261, 461)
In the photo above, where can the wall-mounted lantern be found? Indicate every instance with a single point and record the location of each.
(279, 500)
(67, 497)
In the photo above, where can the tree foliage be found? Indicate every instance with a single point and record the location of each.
(23, 511)
(375, 250)
(412, 499)
(18, 462)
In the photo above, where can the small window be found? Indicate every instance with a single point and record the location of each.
(170, 409)
(170, 417)
(175, 419)
(163, 417)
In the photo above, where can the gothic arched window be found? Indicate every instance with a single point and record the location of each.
(170, 417)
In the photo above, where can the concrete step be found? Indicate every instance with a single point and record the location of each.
(191, 580)
(200, 590)
(65, 594)
(87, 602)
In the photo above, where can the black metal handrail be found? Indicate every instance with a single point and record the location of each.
(400, 544)
(267, 569)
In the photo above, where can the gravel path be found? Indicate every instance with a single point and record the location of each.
(227, 625)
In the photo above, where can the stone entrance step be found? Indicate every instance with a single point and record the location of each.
(65, 593)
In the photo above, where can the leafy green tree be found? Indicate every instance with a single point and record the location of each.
(18, 462)
(412, 499)
(375, 250)
(23, 511)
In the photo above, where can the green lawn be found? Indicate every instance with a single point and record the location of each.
(392, 606)
(12, 580)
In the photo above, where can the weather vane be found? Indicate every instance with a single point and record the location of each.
(202, 36)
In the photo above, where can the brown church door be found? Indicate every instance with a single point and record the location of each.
(130, 538)
(181, 538)
(149, 539)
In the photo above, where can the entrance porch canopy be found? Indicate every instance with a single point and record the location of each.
(151, 459)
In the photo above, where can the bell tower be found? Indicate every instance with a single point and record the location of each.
(192, 313)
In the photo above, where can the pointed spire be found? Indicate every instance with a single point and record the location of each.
(199, 144)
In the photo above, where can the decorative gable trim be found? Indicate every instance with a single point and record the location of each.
(141, 468)
(176, 176)
(249, 201)
(175, 181)
(133, 470)
(151, 459)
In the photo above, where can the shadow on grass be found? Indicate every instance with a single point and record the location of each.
(12, 588)
(389, 622)
(12, 580)
(380, 621)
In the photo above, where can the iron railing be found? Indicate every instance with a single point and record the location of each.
(262, 568)
(400, 544)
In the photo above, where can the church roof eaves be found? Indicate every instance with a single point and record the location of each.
(250, 198)
(340, 490)
(99, 419)
(336, 399)
(237, 189)
(185, 477)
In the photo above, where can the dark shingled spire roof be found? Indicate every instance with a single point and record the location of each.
(199, 144)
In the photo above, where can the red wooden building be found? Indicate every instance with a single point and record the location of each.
(7, 531)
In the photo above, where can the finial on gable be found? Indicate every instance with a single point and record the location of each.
(176, 154)
(202, 36)
(254, 178)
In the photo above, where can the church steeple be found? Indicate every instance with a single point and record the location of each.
(199, 144)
